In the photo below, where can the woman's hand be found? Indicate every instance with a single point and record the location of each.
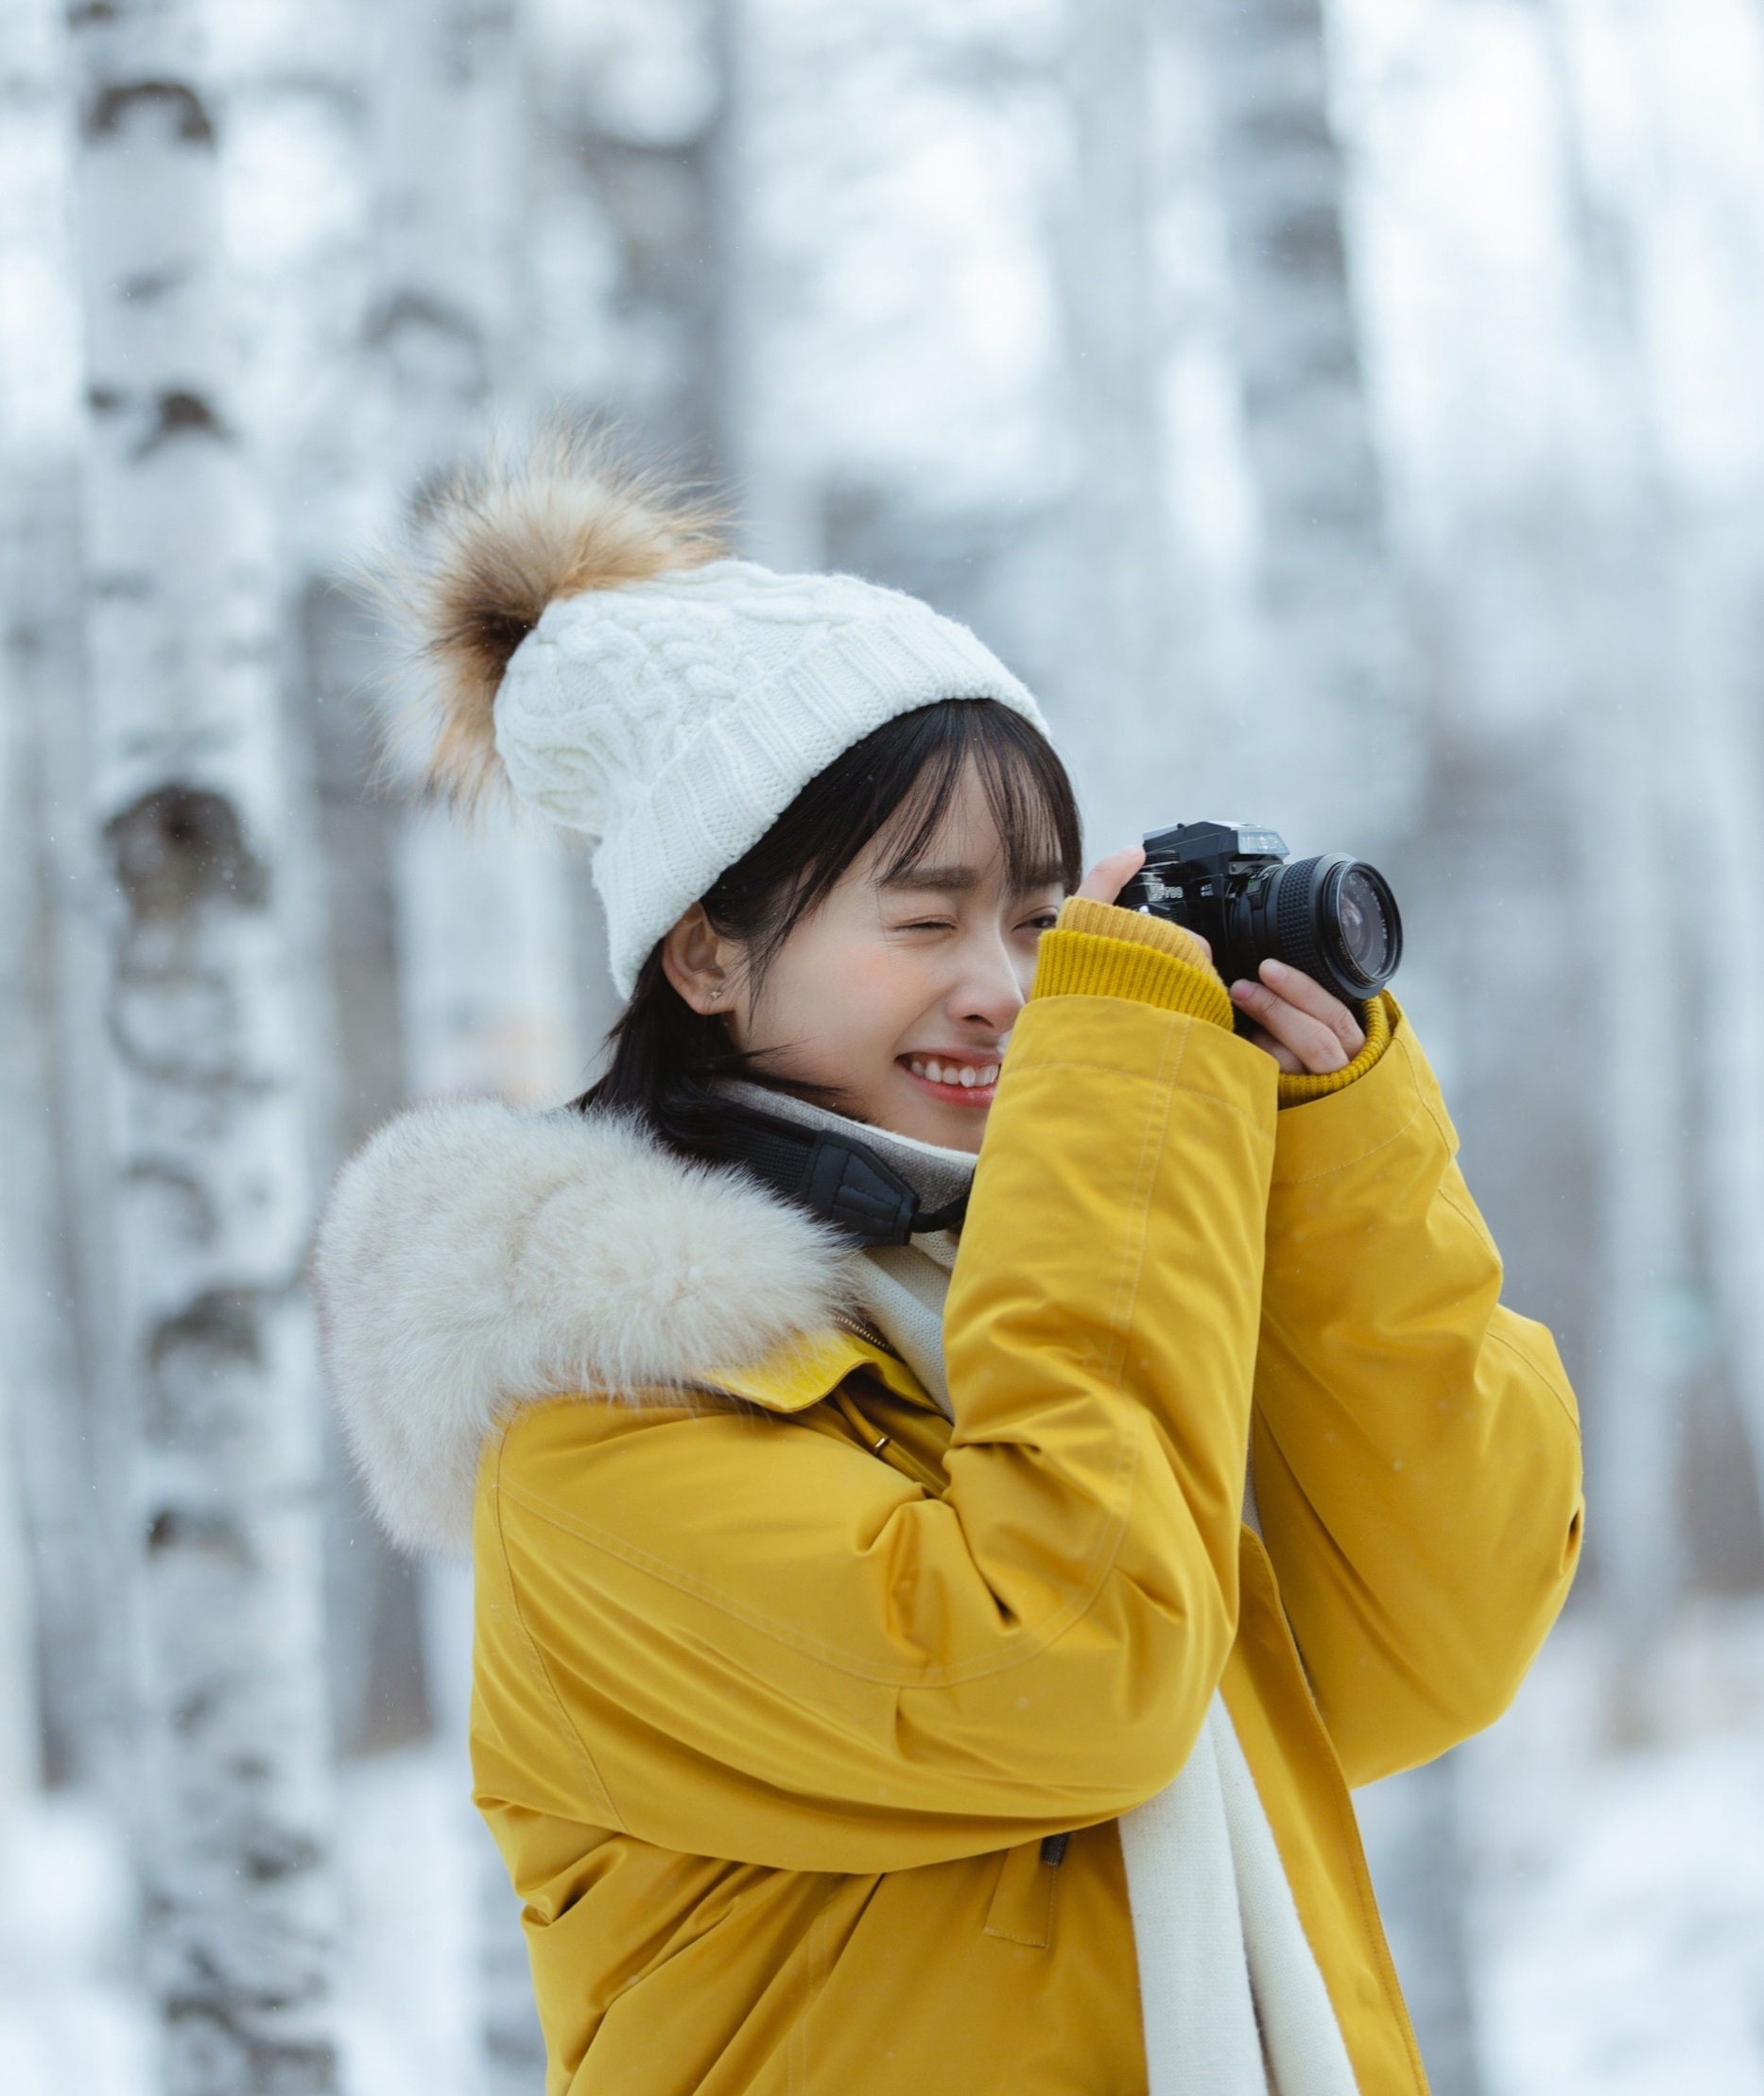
(1108, 876)
(1298, 1022)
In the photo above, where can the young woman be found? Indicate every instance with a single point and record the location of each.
(939, 1664)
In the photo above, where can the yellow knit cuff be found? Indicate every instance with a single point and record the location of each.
(1081, 914)
(1299, 1088)
(1085, 965)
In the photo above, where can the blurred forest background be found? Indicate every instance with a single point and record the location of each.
(1350, 418)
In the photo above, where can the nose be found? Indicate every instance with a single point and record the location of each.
(990, 990)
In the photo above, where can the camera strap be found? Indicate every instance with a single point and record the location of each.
(836, 1178)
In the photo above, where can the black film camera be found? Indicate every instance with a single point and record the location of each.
(1333, 917)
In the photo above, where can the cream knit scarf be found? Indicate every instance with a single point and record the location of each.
(1232, 1998)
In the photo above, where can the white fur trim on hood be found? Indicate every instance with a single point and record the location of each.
(471, 1256)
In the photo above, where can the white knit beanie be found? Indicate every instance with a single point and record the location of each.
(590, 648)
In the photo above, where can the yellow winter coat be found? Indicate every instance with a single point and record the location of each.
(781, 1679)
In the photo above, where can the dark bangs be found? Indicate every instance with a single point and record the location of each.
(897, 782)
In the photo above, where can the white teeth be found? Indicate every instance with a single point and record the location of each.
(968, 1075)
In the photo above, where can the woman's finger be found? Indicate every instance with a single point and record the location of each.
(1305, 990)
(1317, 1046)
(1108, 876)
(1259, 1037)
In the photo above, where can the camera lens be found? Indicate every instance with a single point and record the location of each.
(1365, 931)
(1334, 918)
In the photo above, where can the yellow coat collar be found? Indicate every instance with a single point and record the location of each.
(812, 1365)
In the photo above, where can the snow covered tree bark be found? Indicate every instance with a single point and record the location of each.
(209, 1180)
(1414, 1845)
(625, 290)
(297, 85)
(1334, 737)
(56, 1665)
(33, 1332)
(1725, 757)
(623, 283)
(483, 917)
(1331, 727)
(55, 1268)
(1624, 623)
(1659, 171)
(1118, 677)
(762, 450)
(47, 1044)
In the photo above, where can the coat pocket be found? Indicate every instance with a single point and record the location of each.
(1023, 1898)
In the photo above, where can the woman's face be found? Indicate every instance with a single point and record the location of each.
(896, 993)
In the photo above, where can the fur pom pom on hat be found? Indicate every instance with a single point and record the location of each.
(582, 637)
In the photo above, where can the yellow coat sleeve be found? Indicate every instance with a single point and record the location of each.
(758, 1642)
(1416, 1446)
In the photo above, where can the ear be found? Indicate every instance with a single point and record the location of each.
(701, 963)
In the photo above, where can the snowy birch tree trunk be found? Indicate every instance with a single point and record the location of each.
(762, 450)
(625, 299)
(39, 1384)
(379, 1685)
(20, 1730)
(624, 294)
(488, 1004)
(62, 1357)
(1331, 729)
(45, 1045)
(484, 926)
(48, 1594)
(32, 1298)
(484, 916)
(1414, 1845)
(1625, 629)
(1117, 675)
(1727, 787)
(1653, 134)
(295, 73)
(210, 1185)
(1327, 719)
(1643, 1335)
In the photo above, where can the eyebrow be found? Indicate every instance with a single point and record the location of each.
(962, 880)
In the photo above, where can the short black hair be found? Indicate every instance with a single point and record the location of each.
(666, 1057)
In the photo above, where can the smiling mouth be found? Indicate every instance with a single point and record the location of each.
(959, 1081)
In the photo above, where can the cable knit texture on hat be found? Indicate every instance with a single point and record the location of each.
(677, 719)
(663, 700)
